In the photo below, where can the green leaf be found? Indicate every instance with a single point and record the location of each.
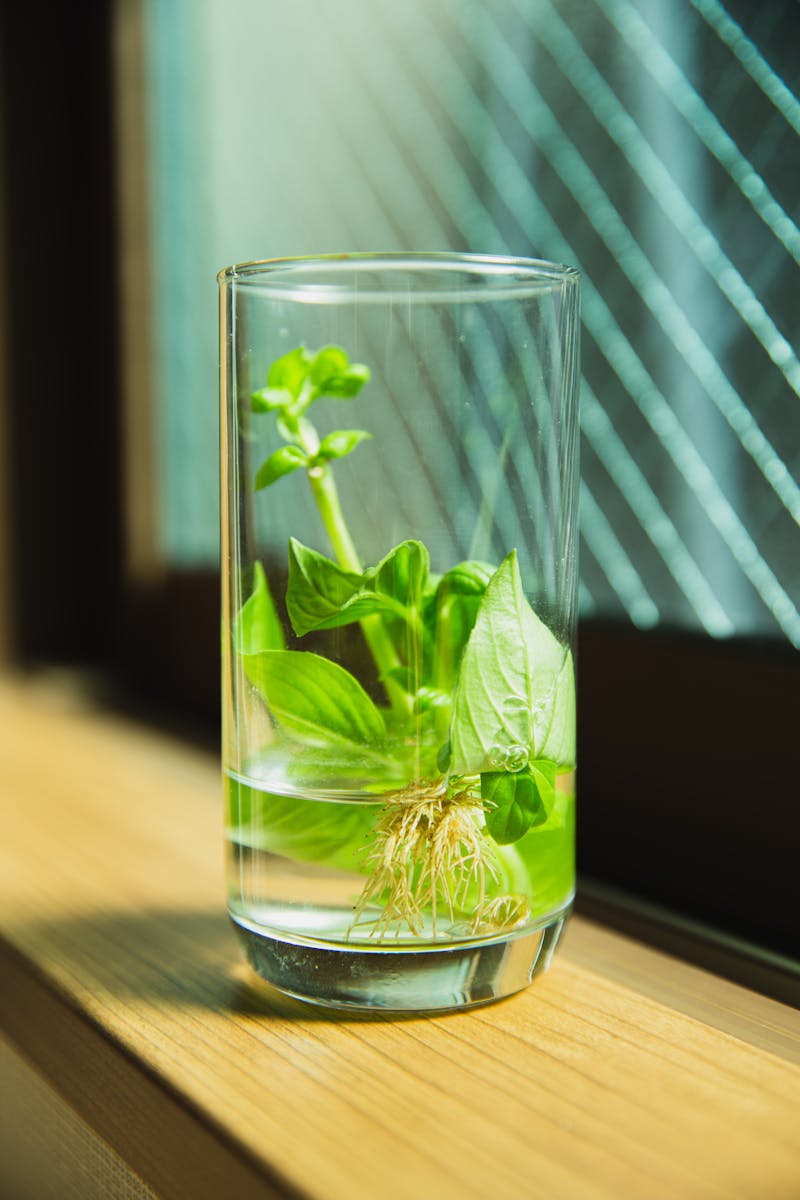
(543, 771)
(316, 699)
(317, 589)
(450, 616)
(281, 462)
(525, 801)
(557, 738)
(332, 374)
(290, 371)
(561, 812)
(516, 802)
(341, 442)
(512, 805)
(257, 626)
(267, 399)
(332, 835)
(468, 578)
(320, 595)
(402, 574)
(350, 384)
(508, 698)
(328, 363)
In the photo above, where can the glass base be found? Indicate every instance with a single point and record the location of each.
(429, 979)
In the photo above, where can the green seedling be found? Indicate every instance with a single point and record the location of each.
(479, 718)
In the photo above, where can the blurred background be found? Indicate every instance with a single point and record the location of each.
(652, 143)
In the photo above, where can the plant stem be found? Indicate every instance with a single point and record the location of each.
(443, 667)
(326, 495)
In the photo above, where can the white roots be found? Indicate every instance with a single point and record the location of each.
(431, 857)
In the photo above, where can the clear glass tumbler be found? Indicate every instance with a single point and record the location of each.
(399, 527)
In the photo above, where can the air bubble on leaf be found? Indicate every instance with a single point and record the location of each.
(497, 756)
(511, 757)
(516, 758)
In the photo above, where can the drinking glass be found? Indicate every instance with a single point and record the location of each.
(399, 485)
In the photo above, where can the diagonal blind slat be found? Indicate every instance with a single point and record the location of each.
(654, 144)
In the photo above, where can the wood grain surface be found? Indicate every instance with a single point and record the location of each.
(622, 1073)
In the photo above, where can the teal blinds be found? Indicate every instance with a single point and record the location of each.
(653, 144)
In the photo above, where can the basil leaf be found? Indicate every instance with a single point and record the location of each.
(450, 617)
(328, 363)
(282, 462)
(299, 829)
(505, 701)
(514, 805)
(257, 626)
(268, 398)
(402, 574)
(332, 374)
(543, 772)
(317, 589)
(348, 385)
(316, 699)
(290, 371)
(468, 578)
(560, 814)
(557, 736)
(520, 801)
(320, 595)
(341, 442)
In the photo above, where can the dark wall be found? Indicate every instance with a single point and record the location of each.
(61, 335)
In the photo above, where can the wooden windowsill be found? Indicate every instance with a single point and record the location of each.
(622, 1073)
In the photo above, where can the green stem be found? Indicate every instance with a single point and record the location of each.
(380, 644)
(327, 497)
(443, 667)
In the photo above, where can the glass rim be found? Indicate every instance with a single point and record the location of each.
(329, 278)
